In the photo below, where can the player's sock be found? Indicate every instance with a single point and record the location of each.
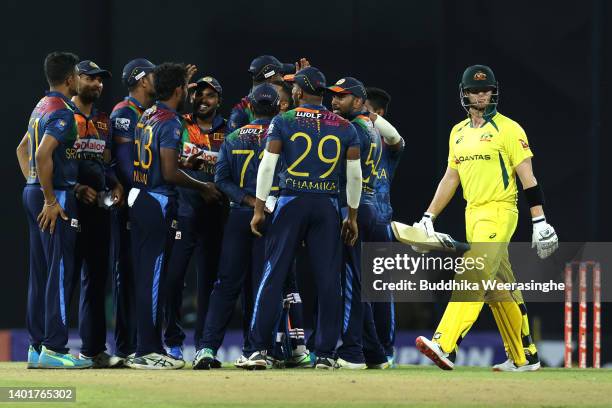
(509, 321)
(457, 320)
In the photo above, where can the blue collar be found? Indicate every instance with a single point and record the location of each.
(218, 122)
(94, 111)
(311, 106)
(162, 105)
(135, 102)
(62, 96)
(352, 116)
(261, 122)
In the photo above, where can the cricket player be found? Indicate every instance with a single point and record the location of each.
(200, 225)
(313, 143)
(243, 252)
(392, 149)
(152, 203)
(360, 346)
(263, 69)
(486, 152)
(96, 192)
(137, 76)
(47, 159)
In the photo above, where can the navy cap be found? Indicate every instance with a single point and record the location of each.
(264, 94)
(310, 79)
(288, 69)
(265, 66)
(135, 70)
(88, 67)
(349, 85)
(210, 82)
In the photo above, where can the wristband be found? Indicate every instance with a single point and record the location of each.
(534, 196)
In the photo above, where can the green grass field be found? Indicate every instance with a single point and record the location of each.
(408, 385)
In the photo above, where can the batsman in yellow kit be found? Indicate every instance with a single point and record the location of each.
(486, 152)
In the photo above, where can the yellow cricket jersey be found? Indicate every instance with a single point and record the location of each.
(485, 158)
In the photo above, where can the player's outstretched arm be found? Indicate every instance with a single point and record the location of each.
(22, 156)
(388, 132)
(265, 177)
(44, 168)
(544, 237)
(444, 193)
(172, 174)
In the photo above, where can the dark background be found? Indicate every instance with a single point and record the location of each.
(549, 57)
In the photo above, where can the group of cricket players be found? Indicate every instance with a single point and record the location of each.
(165, 180)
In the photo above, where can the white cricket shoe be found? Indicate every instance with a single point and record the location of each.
(347, 365)
(156, 361)
(509, 365)
(434, 352)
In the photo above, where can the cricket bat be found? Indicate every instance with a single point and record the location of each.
(418, 238)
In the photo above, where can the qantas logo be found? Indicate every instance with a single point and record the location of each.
(474, 157)
(524, 144)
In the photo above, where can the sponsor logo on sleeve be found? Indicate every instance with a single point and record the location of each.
(122, 123)
(524, 144)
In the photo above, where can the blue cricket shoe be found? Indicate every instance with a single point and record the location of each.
(51, 359)
(33, 357)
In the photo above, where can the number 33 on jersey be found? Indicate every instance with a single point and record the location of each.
(159, 127)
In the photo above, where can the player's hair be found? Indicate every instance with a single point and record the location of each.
(59, 66)
(379, 98)
(286, 89)
(318, 92)
(167, 77)
(265, 109)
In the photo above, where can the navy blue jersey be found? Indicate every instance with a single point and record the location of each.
(315, 141)
(370, 144)
(239, 157)
(125, 116)
(159, 127)
(386, 170)
(54, 116)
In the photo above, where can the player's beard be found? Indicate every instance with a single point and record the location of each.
(89, 95)
(201, 115)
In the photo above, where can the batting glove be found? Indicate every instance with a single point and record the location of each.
(544, 237)
(426, 224)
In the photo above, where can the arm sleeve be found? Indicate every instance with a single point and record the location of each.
(60, 125)
(390, 135)
(353, 183)
(517, 145)
(265, 175)
(223, 176)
